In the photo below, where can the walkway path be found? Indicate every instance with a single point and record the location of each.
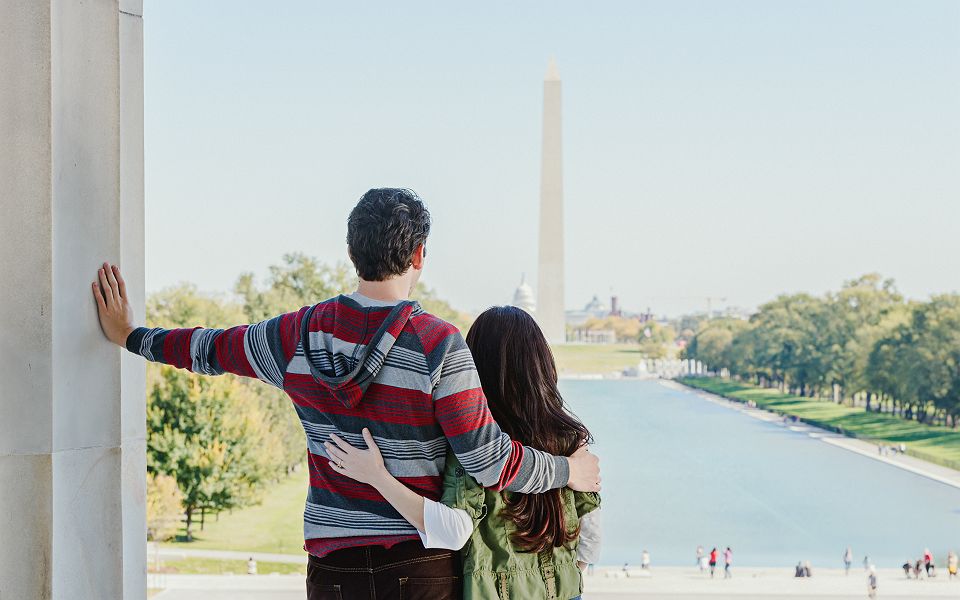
(675, 583)
(939, 473)
(175, 552)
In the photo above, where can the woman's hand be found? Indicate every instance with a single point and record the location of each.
(365, 466)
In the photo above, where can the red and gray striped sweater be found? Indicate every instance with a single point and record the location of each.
(349, 363)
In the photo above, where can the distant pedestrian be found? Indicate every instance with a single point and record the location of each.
(713, 562)
(918, 569)
(727, 563)
(626, 569)
(798, 572)
(928, 563)
(952, 564)
(700, 558)
(866, 563)
(807, 571)
(872, 582)
(847, 560)
(907, 567)
(251, 566)
(645, 560)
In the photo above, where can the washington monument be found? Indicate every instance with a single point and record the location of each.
(550, 274)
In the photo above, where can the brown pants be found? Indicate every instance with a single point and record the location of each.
(404, 572)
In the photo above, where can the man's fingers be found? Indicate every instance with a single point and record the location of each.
(105, 288)
(120, 281)
(114, 286)
(99, 296)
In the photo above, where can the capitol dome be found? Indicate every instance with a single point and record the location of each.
(523, 297)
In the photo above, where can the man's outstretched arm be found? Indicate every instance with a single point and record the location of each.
(261, 350)
(485, 451)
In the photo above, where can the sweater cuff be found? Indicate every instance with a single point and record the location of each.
(561, 471)
(135, 339)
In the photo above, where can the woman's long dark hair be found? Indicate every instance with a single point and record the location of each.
(519, 378)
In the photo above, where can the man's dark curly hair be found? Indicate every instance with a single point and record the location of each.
(384, 230)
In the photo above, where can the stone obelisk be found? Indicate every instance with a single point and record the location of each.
(550, 275)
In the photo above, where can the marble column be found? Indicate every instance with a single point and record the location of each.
(72, 412)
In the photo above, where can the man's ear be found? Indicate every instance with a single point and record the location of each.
(418, 256)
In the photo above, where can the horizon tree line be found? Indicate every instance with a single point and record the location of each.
(862, 345)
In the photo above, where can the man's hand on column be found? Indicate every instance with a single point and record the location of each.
(584, 471)
(116, 317)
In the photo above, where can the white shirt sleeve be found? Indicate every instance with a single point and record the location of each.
(591, 534)
(446, 527)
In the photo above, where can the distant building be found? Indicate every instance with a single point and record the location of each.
(523, 296)
(615, 307)
(592, 336)
(595, 309)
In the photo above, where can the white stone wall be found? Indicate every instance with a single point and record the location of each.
(72, 426)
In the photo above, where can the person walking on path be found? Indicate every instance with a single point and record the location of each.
(700, 558)
(872, 582)
(375, 360)
(952, 564)
(713, 562)
(847, 560)
(728, 562)
(645, 560)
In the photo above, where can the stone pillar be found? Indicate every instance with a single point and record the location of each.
(72, 412)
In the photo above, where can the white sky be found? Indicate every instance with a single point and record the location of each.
(712, 149)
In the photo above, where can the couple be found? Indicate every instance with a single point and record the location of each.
(413, 448)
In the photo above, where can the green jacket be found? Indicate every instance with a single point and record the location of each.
(492, 567)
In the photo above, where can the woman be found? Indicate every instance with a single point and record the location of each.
(517, 545)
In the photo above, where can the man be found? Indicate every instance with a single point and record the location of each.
(371, 359)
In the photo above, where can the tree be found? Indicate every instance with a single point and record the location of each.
(858, 315)
(713, 345)
(625, 329)
(207, 433)
(164, 507)
(656, 339)
(431, 302)
(300, 280)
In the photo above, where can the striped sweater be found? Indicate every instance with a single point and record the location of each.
(351, 362)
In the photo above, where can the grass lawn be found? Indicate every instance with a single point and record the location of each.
(216, 566)
(275, 525)
(595, 358)
(936, 444)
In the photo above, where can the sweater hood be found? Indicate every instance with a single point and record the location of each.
(346, 342)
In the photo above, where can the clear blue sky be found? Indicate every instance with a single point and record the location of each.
(724, 149)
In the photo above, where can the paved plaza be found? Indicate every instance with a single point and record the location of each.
(672, 583)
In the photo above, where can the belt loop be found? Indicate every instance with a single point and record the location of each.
(548, 572)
